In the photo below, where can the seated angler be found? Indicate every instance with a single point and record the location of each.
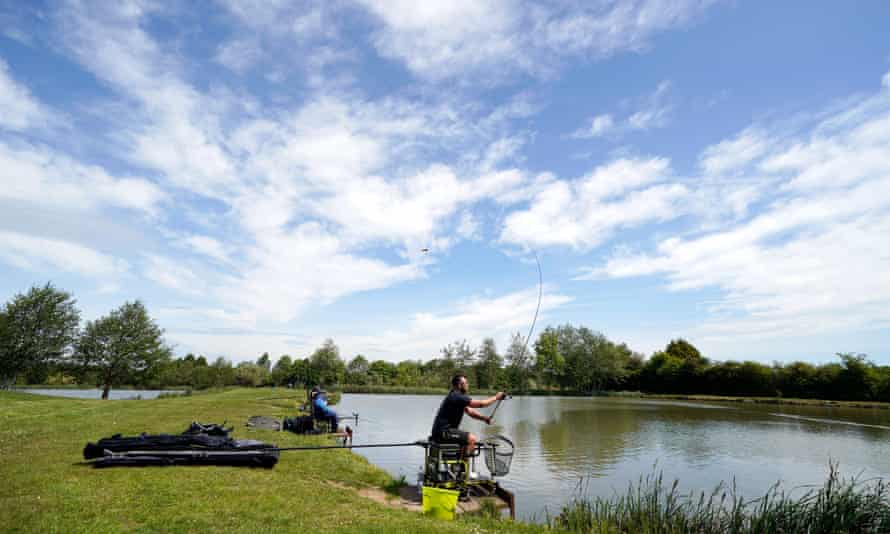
(321, 411)
(451, 411)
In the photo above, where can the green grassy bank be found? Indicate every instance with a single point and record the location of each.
(45, 487)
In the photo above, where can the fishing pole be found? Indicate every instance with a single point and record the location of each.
(360, 446)
(530, 330)
(498, 405)
(538, 307)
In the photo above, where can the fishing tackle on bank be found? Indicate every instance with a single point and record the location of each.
(200, 444)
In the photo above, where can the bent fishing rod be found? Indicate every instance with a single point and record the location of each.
(530, 331)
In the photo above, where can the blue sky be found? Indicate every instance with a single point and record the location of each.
(264, 175)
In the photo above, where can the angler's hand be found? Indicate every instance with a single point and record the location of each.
(501, 395)
(487, 420)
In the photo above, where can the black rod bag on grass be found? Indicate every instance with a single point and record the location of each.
(199, 445)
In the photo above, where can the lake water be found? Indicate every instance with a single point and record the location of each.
(609, 442)
(114, 394)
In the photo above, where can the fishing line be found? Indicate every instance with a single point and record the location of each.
(538, 307)
(531, 328)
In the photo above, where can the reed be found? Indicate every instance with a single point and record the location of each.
(651, 506)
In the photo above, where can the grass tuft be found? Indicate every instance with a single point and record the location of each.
(650, 506)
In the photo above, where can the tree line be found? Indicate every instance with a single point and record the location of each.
(41, 342)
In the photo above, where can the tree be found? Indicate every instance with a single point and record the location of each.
(302, 373)
(265, 361)
(281, 371)
(382, 372)
(357, 371)
(327, 367)
(683, 350)
(408, 373)
(859, 379)
(249, 374)
(223, 372)
(489, 364)
(121, 346)
(457, 357)
(519, 363)
(549, 363)
(592, 362)
(36, 328)
(797, 379)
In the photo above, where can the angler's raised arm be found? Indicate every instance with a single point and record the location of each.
(487, 402)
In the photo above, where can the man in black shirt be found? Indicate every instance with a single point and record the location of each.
(451, 411)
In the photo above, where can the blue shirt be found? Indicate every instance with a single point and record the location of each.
(321, 404)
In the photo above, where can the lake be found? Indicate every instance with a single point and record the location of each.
(114, 394)
(601, 444)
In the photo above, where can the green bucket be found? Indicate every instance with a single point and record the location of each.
(439, 503)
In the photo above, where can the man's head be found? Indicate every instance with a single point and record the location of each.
(459, 383)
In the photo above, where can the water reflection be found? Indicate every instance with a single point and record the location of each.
(588, 442)
(560, 441)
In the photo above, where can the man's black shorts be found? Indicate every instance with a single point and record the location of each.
(455, 435)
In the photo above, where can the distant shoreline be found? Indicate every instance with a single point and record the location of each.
(399, 390)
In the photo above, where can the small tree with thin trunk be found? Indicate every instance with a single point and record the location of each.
(121, 346)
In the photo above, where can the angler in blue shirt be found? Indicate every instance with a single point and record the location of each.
(320, 409)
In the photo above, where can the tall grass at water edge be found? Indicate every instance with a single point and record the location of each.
(649, 506)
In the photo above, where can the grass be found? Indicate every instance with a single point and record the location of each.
(840, 505)
(46, 488)
(394, 487)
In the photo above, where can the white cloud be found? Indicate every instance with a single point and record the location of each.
(39, 175)
(289, 270)
(445, 39)
(173, 275)
(38, 253)
(585, 212)
(599, 126)
(845, 150)
(208, 246)
(468, 227)
(817, 258)
(16, 34)
(239, 55)
(197, 318)
(885, 81)
(421, 337)
(474, 318)
(734, 154)
(440, 39)
(304, 193)
(602, 29)
(177, 132)
(265, 30)
(653, 112)
(19, 110)
(500, 151)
